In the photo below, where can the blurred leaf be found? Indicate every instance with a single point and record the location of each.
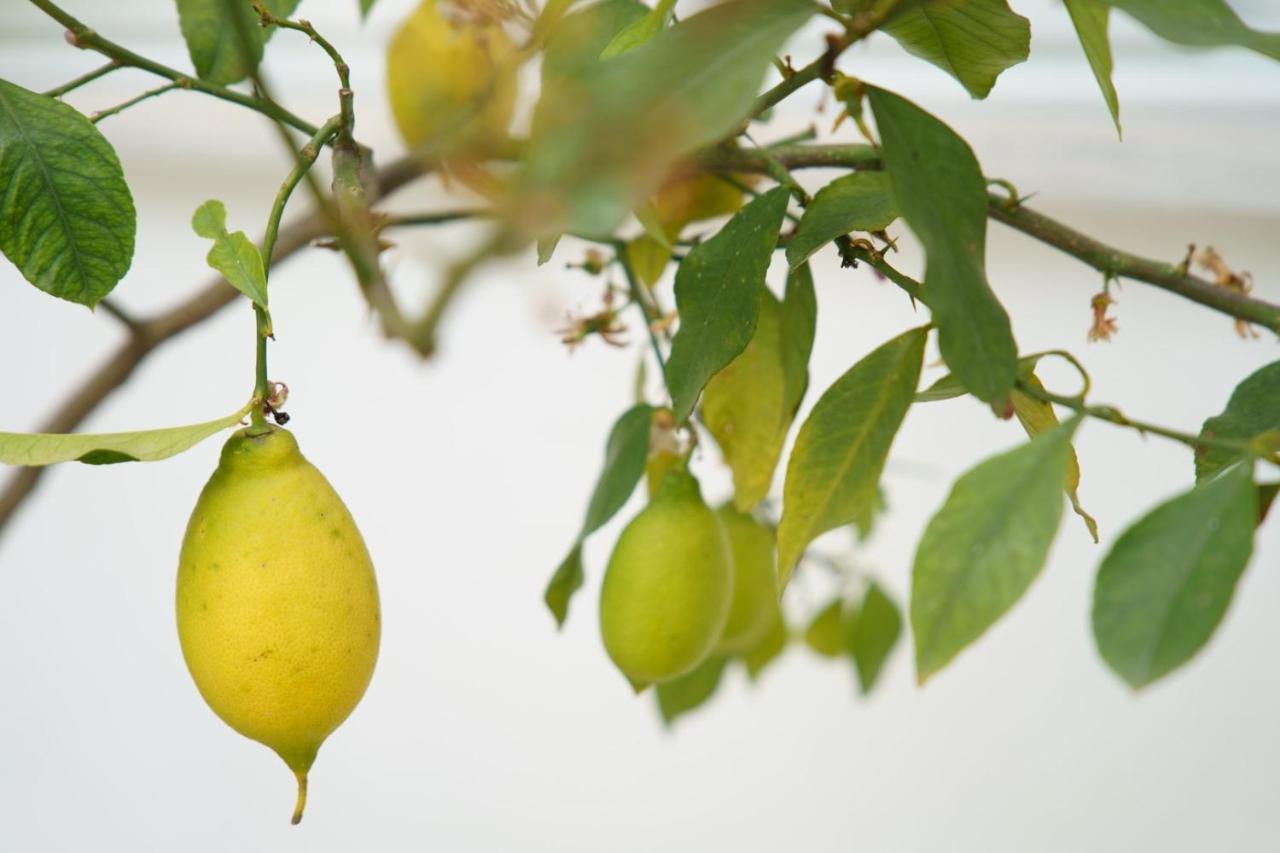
(214, 40)
(152, 445)
(605, 138)
(624, 462)
(744, 408)
(647, 216)
(640, 30)
(870, 633)
(648, 259)
(547, 247)
(366, 6)
(1254, 408)
(696, 197)
(799, 319)
(825, 634)
(986, 545)
(1199, 23)
(718, 287)
(1167, 582)
(767, 650)
(1091, 18)
(972, 40)
(939, 190)
(865, 524)
(1266, 497)
(856, 202)
(840, 452)
(1036, 416)
(66, 215)
(688, 692)
(233, 255)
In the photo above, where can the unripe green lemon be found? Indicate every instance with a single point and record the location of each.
(668, 586)
(451, 83)
(277, 601)
(755, 586)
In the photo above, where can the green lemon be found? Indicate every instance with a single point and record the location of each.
(755, 598)
(277, 602)
(668, 586)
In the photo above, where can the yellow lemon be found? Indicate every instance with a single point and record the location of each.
(754, 609)
(277, 602)
(451, 83)
(668, 586)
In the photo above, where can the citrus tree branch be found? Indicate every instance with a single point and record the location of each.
(147, 335)
(83, 36)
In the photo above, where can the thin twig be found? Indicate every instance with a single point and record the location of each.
(89, 77)
(136, 99)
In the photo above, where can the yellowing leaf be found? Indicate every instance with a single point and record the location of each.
(825, 634)
(1036, 416)
(36, 449)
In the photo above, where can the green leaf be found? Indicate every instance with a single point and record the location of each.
(366, 6)
(825, 634)
(152, 445)
(939, 190)
(840, 452)
(1037, 416)
(1167, 582)
(718, 289)
(744, 408)
(799, 319)
(870, 633)
(972, 40)
(1199, 23)
(547, 247)
(214, 40)
(855, 202)
(690, 691)
(1254, 408)
(233, 255)
(1091, 18)
(624, 461)
(768, 650)
(605, 138)
(640, 30)
(986, 545)
(66, 216)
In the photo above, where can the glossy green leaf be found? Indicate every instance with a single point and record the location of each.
(604, 139)
(825, 634)
(67, 220)
(939, 190)
(870, 633)
(1167, 582)
(690, 691)
(214, 40)
(856, 202)
(842, 447)
(152, 445)
(1254, 408)
(640, 30)
(1037, 416)
(624, 462)
(986, 545)
(744, 408)
(768, 650)
(799, 321)
(233, 255)
(718, 289)
(972, 40)
(1199, 23)
(1091, 18)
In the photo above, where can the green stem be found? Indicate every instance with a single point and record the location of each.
(304, 159)
(101, 71)
(84, 37)
(639, 297)
(137, 99)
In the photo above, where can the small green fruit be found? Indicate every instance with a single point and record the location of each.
(668, 586)
(755, 585)
(277, 602)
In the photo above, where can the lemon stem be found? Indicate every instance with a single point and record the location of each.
(302, 798)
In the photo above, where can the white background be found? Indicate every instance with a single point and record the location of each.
(484, 728)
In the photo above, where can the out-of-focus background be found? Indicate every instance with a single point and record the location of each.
(485, 729)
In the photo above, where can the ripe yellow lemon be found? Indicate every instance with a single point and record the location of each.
(668, 586)
(451, 81)
(277, 602)
(754, 609)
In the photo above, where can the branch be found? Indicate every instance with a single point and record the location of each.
(1170, 277)
(150, 334)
